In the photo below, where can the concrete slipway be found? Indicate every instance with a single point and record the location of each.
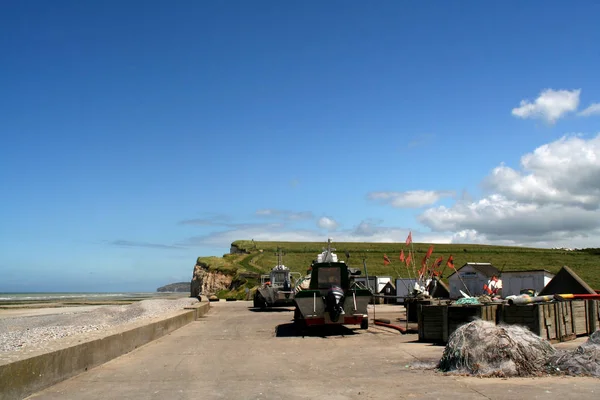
(31, 372)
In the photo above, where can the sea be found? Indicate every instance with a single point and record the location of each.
(49, 297)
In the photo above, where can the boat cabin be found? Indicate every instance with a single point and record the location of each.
(326, 275)
(278, 276)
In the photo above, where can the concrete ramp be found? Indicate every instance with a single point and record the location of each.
(32, 373)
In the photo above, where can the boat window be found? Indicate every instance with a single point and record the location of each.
(329, 276)
(279, 278)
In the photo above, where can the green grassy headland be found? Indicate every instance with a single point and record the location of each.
(259, 257)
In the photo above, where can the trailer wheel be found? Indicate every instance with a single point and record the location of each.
(364, 324)
(299, 322)
(259, 301)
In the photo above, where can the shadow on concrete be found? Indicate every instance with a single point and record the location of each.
(429, 344)
(295, 330)
(270, 309)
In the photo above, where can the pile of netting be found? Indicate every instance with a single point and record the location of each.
(584, 360)
(485, 349)
(467, 300)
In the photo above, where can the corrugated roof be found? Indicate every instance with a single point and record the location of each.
(441, 290)
(567, 281)
(485, 268)
(530, 270)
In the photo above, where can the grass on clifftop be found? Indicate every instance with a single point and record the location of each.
(298, 256)
(226, 264)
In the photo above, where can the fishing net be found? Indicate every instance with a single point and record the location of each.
(485, 349)
(483, 299)
(584, 360)
(467, 300)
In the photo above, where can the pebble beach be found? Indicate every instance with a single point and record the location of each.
(34, 329)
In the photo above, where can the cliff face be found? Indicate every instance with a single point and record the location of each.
(236, 250)
(206, 283)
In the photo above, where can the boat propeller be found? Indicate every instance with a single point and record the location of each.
(334, 301)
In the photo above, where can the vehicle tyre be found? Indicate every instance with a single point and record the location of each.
(260, 302)
(299, 322)
(256, 301)
(364, 324)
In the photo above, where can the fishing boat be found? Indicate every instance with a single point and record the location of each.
(331, 297)
(277, 287)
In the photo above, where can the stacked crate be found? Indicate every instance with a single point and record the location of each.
(438, 322)
(538, 318)
(555, 322)
(433, 324)
(463, 314)
(597, 314)
(413, 307)
(585, 316)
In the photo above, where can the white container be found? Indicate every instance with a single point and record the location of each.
(472, 275)
(515, 281)
(404, 287)
(376, 283)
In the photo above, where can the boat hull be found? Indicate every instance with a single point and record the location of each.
(312, 308)
(274, 297)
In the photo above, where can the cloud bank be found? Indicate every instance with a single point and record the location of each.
(549, 106)
(410, 199)
(551, 200)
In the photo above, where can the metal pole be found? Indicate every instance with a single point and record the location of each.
(368, 286)
(463, 282)
(366, 272)
(443, 270)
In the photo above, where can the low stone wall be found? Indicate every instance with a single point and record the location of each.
(200, 309)
(22, 378)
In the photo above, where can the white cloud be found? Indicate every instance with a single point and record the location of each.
(564, 172)
(265, 212)
(496, 215)
(327, 223)
(552, 200)
(410, 199)
(593, 109)
(285, 214)
(366, 231)
(550, 105)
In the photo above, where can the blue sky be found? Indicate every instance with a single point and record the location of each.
(137, 136)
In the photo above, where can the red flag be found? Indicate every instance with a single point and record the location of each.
(386, 260)
(402, 255)
(408, 260)
(429, 251)
(450, 262)
(424, 262)
(434, 270)
(409, 238)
